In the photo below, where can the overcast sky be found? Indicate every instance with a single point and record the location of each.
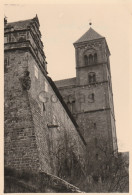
(62, 24)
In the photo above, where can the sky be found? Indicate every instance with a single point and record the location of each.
(62, 24)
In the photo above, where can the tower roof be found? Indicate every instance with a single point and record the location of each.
(21, 25)
(88, 36)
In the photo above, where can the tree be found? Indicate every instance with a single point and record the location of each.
(111, 172)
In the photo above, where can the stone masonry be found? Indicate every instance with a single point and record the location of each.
(89, 95)
(56, 127)
(40, 133)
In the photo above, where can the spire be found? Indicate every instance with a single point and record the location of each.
(91, 34)
(5, 20)
(36, 19)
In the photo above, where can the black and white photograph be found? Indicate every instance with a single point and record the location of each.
(66, 74)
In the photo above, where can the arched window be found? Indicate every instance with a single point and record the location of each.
(90, 59)
(86, 60)
(91, 98)
(91, 77)
(73, 107)
(95, 57)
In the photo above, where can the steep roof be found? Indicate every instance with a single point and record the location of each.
(20, 25)
(91, 34)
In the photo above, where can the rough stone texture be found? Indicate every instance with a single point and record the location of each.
(39, 182)
(20, 141)
(93, 102)
(40, 133)
(54, 114)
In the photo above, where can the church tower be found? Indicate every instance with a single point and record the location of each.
(90, 93)
(93, 78)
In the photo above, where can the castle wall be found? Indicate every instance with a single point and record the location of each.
(50, 140)
(31, 140)
(19, 136)
(41, 134)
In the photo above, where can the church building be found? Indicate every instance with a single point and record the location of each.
(54, 128)
(89, 95)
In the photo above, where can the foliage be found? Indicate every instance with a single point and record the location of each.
(111, 173)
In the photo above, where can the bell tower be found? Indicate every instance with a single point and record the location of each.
(94, 105)
(89, 95)
(92, 53)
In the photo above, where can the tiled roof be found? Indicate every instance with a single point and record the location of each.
(20, 25)
(89, 35)
(65, 82)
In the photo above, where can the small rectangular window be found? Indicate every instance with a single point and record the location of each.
(21, 36)
(43, 107)
(91, 98)
(5, 39)
(94, 125)
(91, 77)
(73, 107)
(46, 86)
(36, 72)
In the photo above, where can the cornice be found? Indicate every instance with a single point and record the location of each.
(95, 64)
(24, 45)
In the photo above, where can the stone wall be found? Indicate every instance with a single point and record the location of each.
(19, 136)
(47, 113)
(35, 182)
(40, 134)
(66, 82)
(91, 103)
